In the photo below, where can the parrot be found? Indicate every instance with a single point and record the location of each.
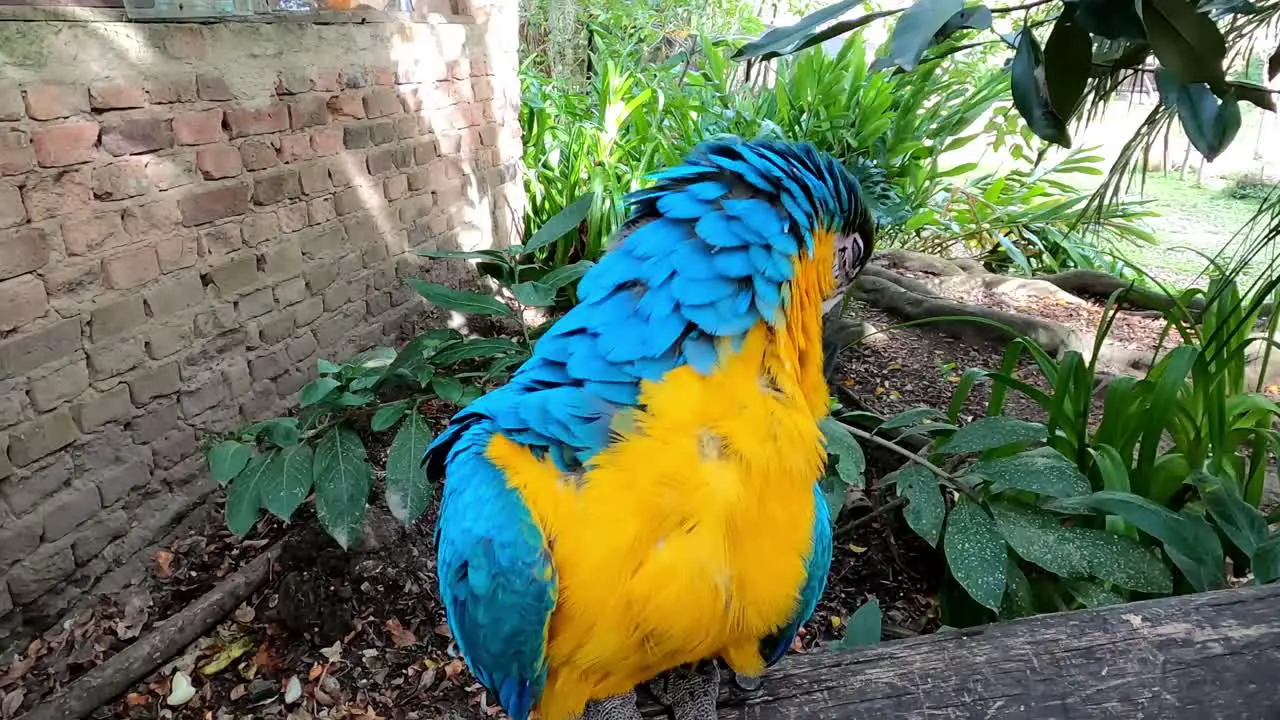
(640, 500)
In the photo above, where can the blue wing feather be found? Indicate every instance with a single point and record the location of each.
(772, 648)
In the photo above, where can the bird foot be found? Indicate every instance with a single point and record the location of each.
(690, 692)
(618, 707)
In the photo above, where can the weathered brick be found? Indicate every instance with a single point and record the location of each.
(69, 509)
(348, 201)
(395, 187)
(293, 81)
(270, 365)
(258, 119)
(23, 299)
(259, 228)
(274, 187)
(383, 132)
(315, 179)
(309, 112)
(213, 87)
(236, 274)
(42, 436)
(198, 128)
(277, 328)
(291, 291)
(122, 179)
(215, 204)
(131, 136)
(176, 294)
(322, 241)
(284, 260)
(50, 102)
(407, 127)
(150, 383)
(293, 217)
(72, 282)
(171, 171)
(58, 193)
(12, 108)
(130, 268)
(174, 447)
(12, 211)
(321, 210)
(166, 340)
(172, 89)
(383, 75)
(6, 467)
(381, 102)
(89, 542)
(326, 79)
(259, 154)
(97, 409)
(110, 360)
(65, 144)
(41, 572)
(221, 161)
(255, 304)
(29, 350)
(16, 153)
(117, 94)
(308, 311)
(85, 235)
(220, 239)
(116, 317)
(337, 295)
(156, 419)
(331, 330)
(381, 161)
(347, 105)
(52, 390)
(419, 179)
(294, 148)
(121, 479)
(19, 539)
(356, 137)
(324, 141)
(302, 348)
(354, 77)
(210, 390)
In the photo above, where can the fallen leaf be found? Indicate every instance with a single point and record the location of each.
(333, 652)
(134, 699)
(315, 672)
(182, 691)
(244, 615)
(401, 637)
(228, 655)
(453, 669)
(11, 702)
(292, 690)
(836, 622)
(164, 564)
(239, 691)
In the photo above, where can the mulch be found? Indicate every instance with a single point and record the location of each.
(361, 634)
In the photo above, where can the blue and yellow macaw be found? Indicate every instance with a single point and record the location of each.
(642, 496)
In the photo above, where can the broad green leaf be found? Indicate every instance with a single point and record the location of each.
(1122, 561)
(1068, 61)
(1112, 20)
(1019, 598)
(926, 507)
(534, 294)
(1258, 95)
(1265, 561)
(834, 492)
(560, 224)
(864, 628)
(1094, 595)
(327, 368)
(1031, 98)
(387, 416)
(1210, 124)
(463, 301)
(907, 418)
(1185, 40)
(1273, 64)
(408, 490)
(289, 479)
(341, 479)
(1043, 471)
(227, 459)
(915, 30)
(447, 389)
(976, 553)
(490, 255)
(1241, 522)
(471, 349)
(850, 462)
(281, 432)
(1038, 537)
(992, 432)
(975, 17)
(784, 40)
(244, 495)
(566, 274)
(317, 390)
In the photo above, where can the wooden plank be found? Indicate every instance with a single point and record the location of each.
(1197, 657)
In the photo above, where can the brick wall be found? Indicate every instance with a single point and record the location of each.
(189, 215)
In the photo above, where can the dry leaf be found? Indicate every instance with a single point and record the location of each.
(401, 637)
(333, 653)
(239, 691)
(292, 690)
(164, 564)
(453, 669)
(244, 615)
(316, 671)
(182, 691)
(11, 702)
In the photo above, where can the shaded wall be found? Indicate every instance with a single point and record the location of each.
(190, 215)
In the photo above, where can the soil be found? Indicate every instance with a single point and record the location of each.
(362, 633)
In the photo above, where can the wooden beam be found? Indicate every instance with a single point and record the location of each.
(1196, 657)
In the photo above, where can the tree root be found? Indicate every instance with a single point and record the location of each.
(115, 676)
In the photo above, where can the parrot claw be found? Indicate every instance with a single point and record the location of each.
(688, 691)
(618, 707)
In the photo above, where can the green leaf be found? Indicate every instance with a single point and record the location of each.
(1039, 538)
(1094, 595)
(387, 416)
(864, 628)
(1210, 124)
(317, 390)
(992, 432)
(244, 495)
(1122, 561)
(281, 432)
(926, 507)
(227, 459)
(408, 490)
(915, 31)
(850, 462)
(1273, 65)
(1019, 598)
(785, 40)
(976, 553)
(1254, 93)
(1031, 96)
(447, 389)
(463, 301)
(1185, 40)
(1043, 470)
(289, 481)
(471, 349)
(534, 294)
(1112, 19)
(910, 417)
(1240, 521)
(975, 17)
(327, 368)
(490, 255)
(341, 479)
(1266, 561)
(1068, 61)
(561, 223)
(566, 274)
